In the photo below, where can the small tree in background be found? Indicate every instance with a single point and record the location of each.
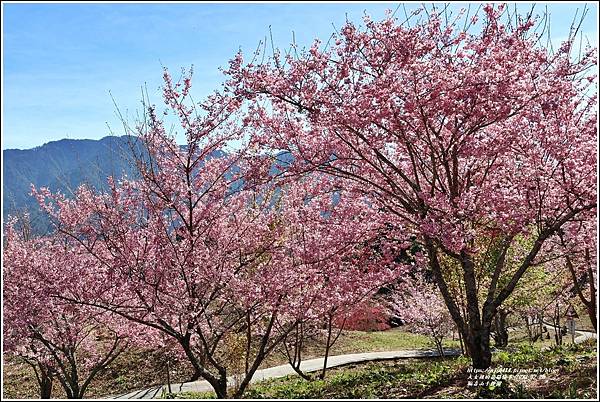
(420, 305)
(68, 343)
(338, 246)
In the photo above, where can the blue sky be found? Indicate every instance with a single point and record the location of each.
(61, 60)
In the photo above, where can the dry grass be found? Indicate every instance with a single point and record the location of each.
(136, 368)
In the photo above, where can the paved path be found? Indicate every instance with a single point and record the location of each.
(315, 365)
(581, 335)
(283, 370)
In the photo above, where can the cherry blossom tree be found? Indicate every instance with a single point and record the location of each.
(337, 303)
(578, 242)
(459, 130)
(341, 247)
(420, 305)
(202, 247)
(58, 340)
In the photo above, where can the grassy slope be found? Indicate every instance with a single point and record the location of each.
(447, 378)
(133, 369)
(138, 369)
(394, 339)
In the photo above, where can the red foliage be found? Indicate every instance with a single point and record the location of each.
(365, 316)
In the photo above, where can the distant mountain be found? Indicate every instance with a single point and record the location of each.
(64, 165)
(61, 166)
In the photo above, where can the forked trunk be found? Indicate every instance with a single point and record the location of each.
(46, 387)
(477, 343)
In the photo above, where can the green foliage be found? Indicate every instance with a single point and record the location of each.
(576, 366)
(521, 357)
(525, 355)
(372, 380)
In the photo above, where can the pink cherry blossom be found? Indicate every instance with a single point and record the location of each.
(465, 140)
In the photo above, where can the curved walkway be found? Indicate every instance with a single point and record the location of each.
(314, 365)
(582, 336)
(283, 370)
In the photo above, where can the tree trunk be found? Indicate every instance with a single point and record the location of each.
(219, 383)
(500, 333)
(556, 323)
(296, 368)
(440, 347)
(475, 331)
(168, 367)
(75, 392)
(529, 326)
(295, 360)
(477, 343)
(221, 388)
(45, 386)
(591, 309)
(327, 346)
(591, 305)
(196, 376)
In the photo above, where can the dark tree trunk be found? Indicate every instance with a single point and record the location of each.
(541, 326)
(45, 386)
(196, 376)
(591, 304)
(477, 343)
(474, 329)
(295, 358)
(500, 333)
(528, 326)
(219, 383)
(478, 336)
(591, 309)
(43, 375)
(440, 347)
(558, 335)
(168, 367)
(221, 388)
(327, 346)
(296, 368)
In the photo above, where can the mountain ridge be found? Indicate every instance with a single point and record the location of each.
(63, 165)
